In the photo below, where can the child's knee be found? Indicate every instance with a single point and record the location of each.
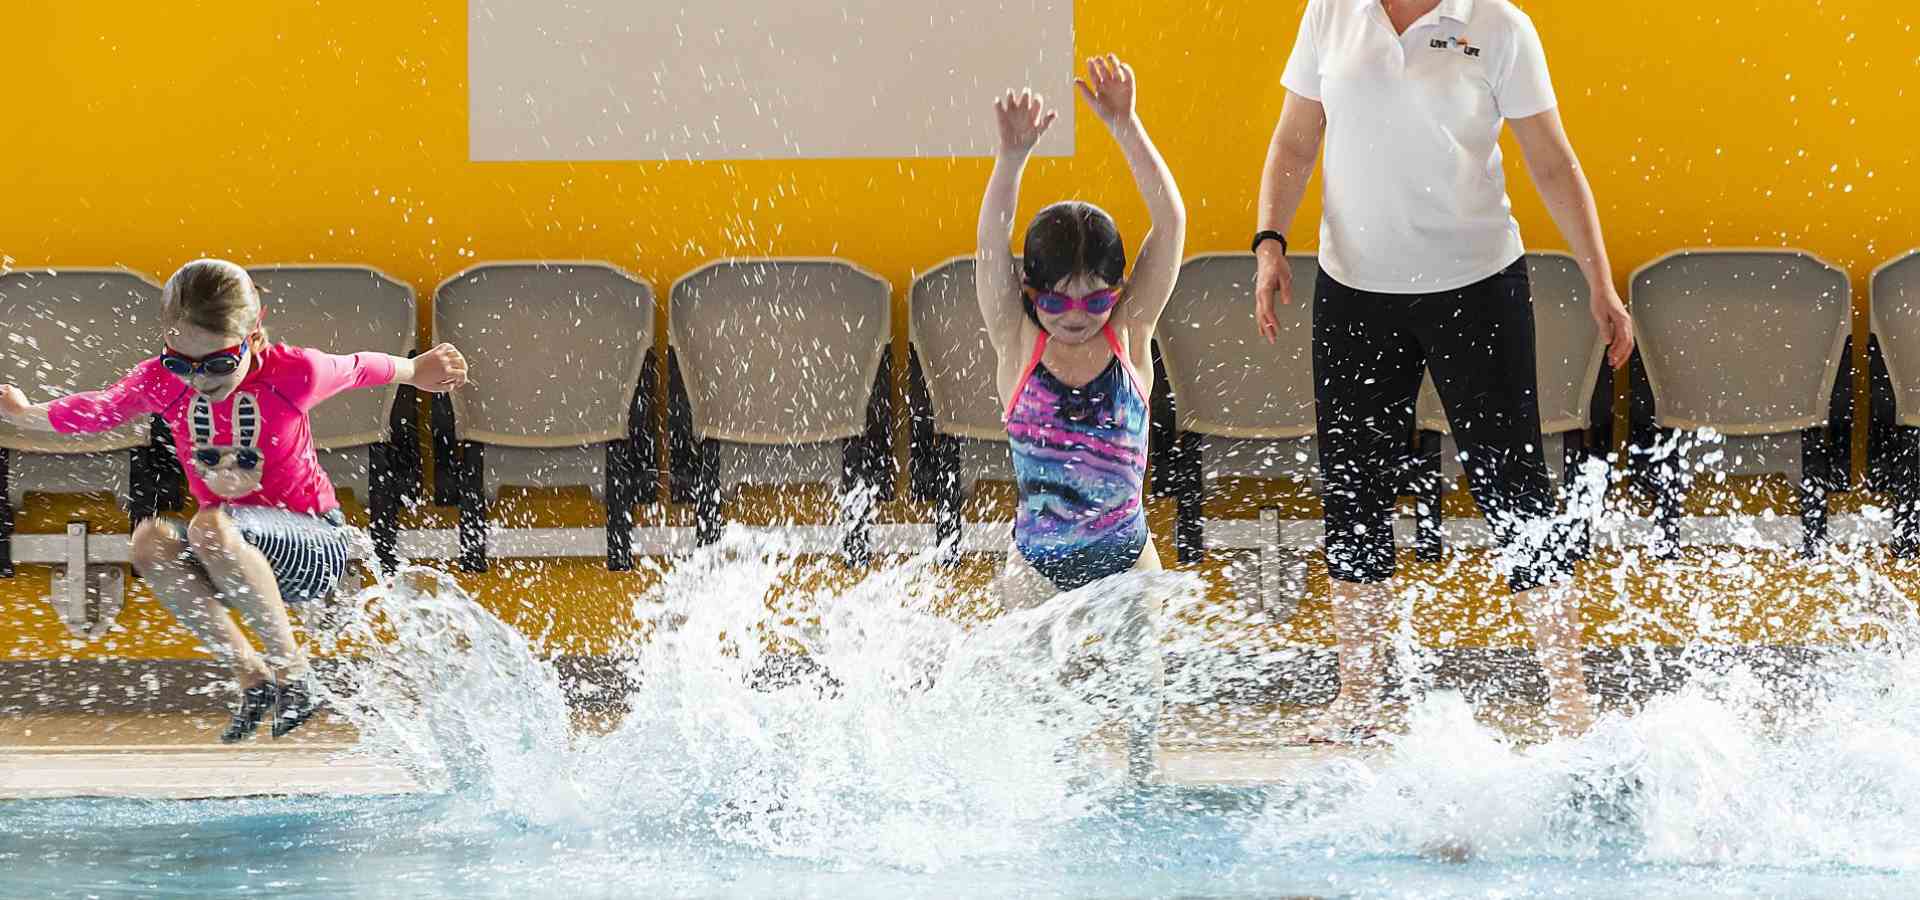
(156, 543)
(212, 532)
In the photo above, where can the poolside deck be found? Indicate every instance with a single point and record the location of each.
(173, 757)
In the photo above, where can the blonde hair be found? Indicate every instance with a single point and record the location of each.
(214, 296)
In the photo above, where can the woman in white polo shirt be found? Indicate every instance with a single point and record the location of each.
(1421, 266)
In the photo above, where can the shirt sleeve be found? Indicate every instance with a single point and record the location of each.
(328, 374)
(1524, 88)
(91, 412)
(1302, 74)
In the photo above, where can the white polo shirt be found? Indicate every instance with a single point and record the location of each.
(1415, 199)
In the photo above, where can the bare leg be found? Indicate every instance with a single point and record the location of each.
(182, 587)
(1360, 628)
(1018, 587)
(1147, 686)
(1555, 623)
(246, 582)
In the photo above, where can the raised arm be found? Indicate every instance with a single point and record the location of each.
(1020, 119)
(1283, 184)
(1109, 89)
(1557, 174)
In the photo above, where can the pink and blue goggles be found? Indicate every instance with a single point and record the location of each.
(1054, 303)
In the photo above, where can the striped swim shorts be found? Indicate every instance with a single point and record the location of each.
(308, 554)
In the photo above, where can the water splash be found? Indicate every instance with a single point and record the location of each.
(853, 724)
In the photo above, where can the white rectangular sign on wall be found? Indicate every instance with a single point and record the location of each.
(758, 79)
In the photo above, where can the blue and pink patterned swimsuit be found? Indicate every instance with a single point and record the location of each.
(1080, 456)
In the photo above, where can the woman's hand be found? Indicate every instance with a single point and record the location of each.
(439, 370)
(1108, 88)
(1022, 119)
(1616, 326)
(1272, 283)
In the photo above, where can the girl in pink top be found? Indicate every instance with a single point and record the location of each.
(269, 529)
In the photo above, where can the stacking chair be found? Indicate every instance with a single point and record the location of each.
(958, 436)
(1576, 395)
(367, 440)
(1245, 408)
(781, 373)
(1893, 445)
(563, 378)
(1754, 345)
(68, 331)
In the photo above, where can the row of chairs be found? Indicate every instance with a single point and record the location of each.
(781, 371)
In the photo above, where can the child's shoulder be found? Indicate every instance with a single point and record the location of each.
(281, 360)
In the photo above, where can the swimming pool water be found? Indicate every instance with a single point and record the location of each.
(1161, 842)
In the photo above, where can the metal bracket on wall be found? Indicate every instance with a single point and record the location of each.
(87, 597)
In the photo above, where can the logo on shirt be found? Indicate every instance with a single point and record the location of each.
(1455, 43)
(232, 469)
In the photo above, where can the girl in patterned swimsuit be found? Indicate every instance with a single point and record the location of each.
(269, 529)
(1073, 335)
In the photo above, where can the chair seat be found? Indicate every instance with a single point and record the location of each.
(69, 473)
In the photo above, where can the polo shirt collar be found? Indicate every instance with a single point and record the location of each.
(1458, 10)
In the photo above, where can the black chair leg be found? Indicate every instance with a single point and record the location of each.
(473, 507)
(1816, 478)
(706, 504)
(949, 525)
(856, 510)
(620, 493)
(383, 505)
(1813, 517)
(1901, 477)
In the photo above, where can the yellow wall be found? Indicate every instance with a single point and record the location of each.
(145, 134)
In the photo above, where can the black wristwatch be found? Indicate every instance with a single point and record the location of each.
(1266, 236)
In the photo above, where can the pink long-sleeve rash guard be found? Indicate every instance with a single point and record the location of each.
(266, 415)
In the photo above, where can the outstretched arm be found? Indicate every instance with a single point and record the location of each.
(1109, 89)
(1556, 172)
(88, 412)
(1021, 119)
(21, 414)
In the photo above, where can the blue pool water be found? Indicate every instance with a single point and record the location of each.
(1191, 843)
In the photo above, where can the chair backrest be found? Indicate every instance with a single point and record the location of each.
(341, 309)
(75, 330)
(1746, 342)
(1568, 349)
(1896, 321)
(1227, 380)
(947, 333)
(780, 351)
(554, 349)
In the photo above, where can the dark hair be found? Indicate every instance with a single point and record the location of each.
(1071, 238)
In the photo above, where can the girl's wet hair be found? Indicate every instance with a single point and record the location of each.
(1067, 239)
(215, 296)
